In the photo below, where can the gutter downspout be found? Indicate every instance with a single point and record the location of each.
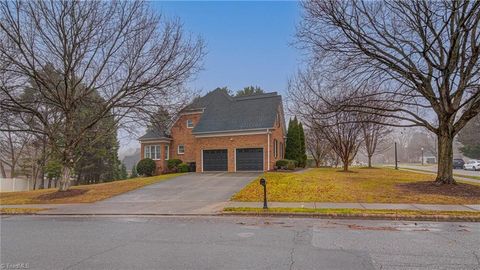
(268, 149)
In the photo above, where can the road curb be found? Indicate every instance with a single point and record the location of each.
(443, 218)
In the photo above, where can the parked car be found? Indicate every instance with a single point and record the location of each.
(458, 163)
(472, 165)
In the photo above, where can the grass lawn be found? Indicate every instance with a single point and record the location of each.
(79, 194)
(377, 185)
(358, 212)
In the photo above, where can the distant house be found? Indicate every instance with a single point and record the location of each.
(218, 132)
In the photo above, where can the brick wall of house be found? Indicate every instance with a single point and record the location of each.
(161, 163)
(183, 135)
(277, 134)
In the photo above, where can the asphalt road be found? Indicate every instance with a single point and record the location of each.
(155, 242)
(193, 193)
(433, 168)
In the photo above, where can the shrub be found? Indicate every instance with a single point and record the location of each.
(281, 163)
(291, 166)
(183, 167)
(172, 164)
(146, 167)
(286, 164)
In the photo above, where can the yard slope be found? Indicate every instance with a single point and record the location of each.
(377, 185)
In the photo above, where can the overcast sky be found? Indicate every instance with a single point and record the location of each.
(248, 43)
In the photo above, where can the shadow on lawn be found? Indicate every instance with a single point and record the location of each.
(62, 194)
(458, 190)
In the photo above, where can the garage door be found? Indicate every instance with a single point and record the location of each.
(215, 160)
(249, 159)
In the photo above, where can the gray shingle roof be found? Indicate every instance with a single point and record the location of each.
(222, 113)
(225, 113)
(154, 134)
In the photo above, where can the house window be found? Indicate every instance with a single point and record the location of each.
(152, 151)
(189, 123)
(181, 149)
(281, 150)
(167, 152)
(275, 148)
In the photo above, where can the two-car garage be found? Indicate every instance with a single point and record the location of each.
(246, 159)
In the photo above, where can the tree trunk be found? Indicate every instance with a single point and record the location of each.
(345, 165)
(2, 170)
(369, 161)
(65, 178)
(445, 159)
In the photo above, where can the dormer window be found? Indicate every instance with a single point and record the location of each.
(189, 123)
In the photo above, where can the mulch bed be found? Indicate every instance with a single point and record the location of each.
(427, 187)
(62, 194)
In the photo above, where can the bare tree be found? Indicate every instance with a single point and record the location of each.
(318, 147)
(345, 138)
(423, 55)
(374, 135)
(311, 101)
(13, 146)
(69, 51)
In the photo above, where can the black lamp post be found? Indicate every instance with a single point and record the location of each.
(263, 182)
(422, 156)
(396, 159)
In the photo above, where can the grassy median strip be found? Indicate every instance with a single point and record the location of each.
(377, 185)
(347, 212)
(79, 194)
(20, 211)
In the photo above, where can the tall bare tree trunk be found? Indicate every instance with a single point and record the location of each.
(345, 164)
(369, 161)
(67, 168)
(445, 158)
(65, 178)
(2, 170)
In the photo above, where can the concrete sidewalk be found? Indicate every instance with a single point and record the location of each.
(370, 206)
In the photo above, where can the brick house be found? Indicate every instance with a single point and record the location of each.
(218, 132)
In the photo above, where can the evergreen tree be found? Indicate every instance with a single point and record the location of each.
(123, 172)
(293, 141)
(302, 151)
(289, 143)
(134, 172)
(295, 147)
(249, 90)
(98, 153)
(469, 138)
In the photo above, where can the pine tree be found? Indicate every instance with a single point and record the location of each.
(289, 145)
(123, 172)
(292, 150)
(134, 172)
(302, 150)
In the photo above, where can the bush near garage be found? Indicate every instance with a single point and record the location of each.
(286, 164)
(146, 167)
(183, 167)
(172, 164)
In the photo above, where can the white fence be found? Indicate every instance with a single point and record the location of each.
(15, 184)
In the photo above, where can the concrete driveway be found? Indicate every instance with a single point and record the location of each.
(193, 193)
